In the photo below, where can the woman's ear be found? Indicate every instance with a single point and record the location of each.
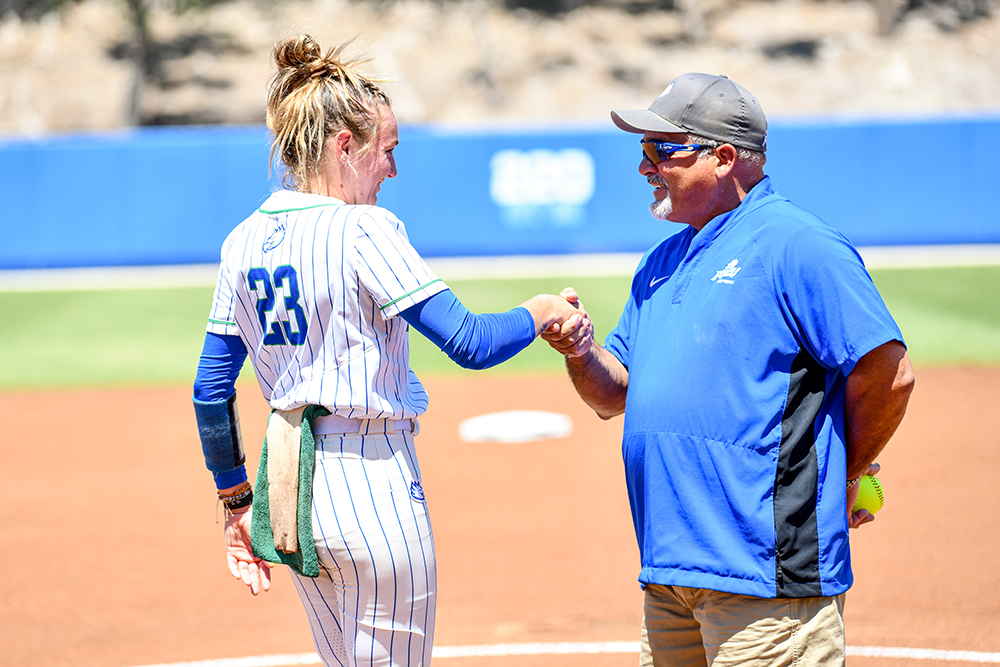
(343, 141)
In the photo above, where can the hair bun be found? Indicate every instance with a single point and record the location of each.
(299, 52)
(304, 57)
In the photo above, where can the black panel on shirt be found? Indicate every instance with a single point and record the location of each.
(796, 483)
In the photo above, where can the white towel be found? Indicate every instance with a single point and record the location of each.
(284, 443)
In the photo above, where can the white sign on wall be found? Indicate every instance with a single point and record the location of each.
(542, 186)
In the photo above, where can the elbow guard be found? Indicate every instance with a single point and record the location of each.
(219, 429)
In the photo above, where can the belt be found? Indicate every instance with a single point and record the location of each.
(336, 425)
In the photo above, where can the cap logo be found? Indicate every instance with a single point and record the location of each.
(667, 91)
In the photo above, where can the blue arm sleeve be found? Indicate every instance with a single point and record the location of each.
(221, 360)
(470, 340)
(214, 398)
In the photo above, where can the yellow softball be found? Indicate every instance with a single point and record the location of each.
(870, 495)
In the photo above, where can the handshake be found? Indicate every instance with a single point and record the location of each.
(562, 322)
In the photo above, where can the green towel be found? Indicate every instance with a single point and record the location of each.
(305, 561)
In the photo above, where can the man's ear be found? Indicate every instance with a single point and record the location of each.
(726, 159)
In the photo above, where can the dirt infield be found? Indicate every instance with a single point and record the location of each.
(113, 557)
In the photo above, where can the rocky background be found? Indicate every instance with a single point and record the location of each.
(80, 66)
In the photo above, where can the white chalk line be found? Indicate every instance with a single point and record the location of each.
(580, 648)
(922, 654)
(465, 268)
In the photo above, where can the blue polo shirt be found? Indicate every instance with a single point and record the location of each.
(738, 340)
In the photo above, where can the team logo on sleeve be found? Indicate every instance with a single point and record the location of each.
(727, 274)
(417, 492)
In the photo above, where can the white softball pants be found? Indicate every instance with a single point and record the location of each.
(374, 601)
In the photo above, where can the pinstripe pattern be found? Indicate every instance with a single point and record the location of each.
(356, 271)
(373, 603)
(313, 287)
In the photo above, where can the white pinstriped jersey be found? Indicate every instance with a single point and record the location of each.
(313, 286)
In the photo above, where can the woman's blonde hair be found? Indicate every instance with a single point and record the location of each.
(314, 96)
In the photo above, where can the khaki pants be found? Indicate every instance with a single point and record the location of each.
(690, 627)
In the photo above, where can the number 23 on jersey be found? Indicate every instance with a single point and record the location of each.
(281, 316)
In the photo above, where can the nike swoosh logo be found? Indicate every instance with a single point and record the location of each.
(656, 281)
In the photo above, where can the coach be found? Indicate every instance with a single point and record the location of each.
(760, 374)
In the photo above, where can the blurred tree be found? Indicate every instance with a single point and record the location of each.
(32, 10)
(143, 63)
(887, 13)
(947, 14)
(141, 48)
(697, 15)
(148, 54)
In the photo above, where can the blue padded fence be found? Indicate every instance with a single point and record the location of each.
(170, 195)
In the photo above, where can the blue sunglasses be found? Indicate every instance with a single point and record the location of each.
(658, 151)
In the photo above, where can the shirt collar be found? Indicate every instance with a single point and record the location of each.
(758, 195)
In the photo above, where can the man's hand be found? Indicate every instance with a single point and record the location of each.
(597, 375)
(861, 517)
(252, 571)
(574, 335)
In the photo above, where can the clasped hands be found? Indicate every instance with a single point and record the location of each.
(573, 334)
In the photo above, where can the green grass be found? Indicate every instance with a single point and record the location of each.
(947, 315)
(112, 337)
(153, 336)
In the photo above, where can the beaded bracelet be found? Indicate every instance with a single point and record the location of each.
(853, 482)
(241, 499)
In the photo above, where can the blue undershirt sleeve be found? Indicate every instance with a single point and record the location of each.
(221, 360)
(471, 340)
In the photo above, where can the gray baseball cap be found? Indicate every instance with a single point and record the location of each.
(704, 104)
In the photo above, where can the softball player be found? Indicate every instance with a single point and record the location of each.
(318, 288)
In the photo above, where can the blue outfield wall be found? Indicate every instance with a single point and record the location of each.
(170, 195)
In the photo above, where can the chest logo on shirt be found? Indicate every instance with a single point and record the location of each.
(727, 274)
